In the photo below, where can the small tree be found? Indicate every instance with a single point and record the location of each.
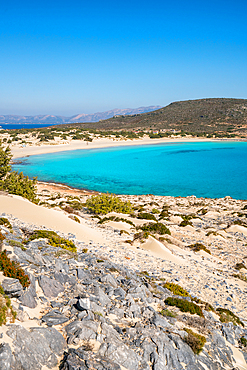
(14, 182)
(5, 157)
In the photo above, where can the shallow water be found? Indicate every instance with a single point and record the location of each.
(208, 169)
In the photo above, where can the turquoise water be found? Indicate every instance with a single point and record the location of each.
(208, 169)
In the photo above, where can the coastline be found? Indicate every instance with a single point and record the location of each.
(20, 152)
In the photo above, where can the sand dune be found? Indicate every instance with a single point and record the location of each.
(159, 250)
(40, 216)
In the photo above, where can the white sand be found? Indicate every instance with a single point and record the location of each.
(237, 229)
(40, 216)
(159, 250)
(98, 143)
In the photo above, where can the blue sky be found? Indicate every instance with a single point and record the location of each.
(69, 57)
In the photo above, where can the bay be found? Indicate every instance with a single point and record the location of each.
(203, 169)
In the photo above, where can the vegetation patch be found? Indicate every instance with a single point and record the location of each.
(185, 306)
(13, 270)
(176, 289)
(116, 219)
(155, 210)
(243, 341)
(15, 243)
(240, 276)
(156, 228)
(240, 223)
(228, 316)
(5, 222)
(168, 313)
(53, 239)
(106, 203)
(6, 310)
(240, 266)
(146, 216)
(164, 214)
(186, 223)
(195, 341)
(199, 247)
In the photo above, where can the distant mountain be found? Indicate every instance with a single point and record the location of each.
(95, 117)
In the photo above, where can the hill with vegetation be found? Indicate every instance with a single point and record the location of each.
(196, 116)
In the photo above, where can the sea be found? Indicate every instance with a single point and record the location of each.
(204, 169)
(18, 126)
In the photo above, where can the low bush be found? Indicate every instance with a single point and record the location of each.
(2, 237)
(228, 316)
(195, 341)
(106, 203)
(155, 210)
(53, 239)
(186, 223)
(184, 306)
(167, 313)
(240, 223)
(5, 222)
(163, 215)
(240, 266)
(6, 309)
(199, 247)
(146, 216)
(176, 289)
(116, 219)
(243, 341)
(240, 276)
(13, 270)
(156, 228)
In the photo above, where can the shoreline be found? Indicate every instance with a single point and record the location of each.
(20, 152)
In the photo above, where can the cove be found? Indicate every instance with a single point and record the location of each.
(203, 169)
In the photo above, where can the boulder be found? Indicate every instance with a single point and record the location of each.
(50, 287)
(12, 287)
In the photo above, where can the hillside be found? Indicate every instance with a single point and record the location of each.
(203, 115)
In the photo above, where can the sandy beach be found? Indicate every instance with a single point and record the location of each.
(20, 151)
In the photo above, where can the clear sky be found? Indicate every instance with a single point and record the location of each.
(68, 57)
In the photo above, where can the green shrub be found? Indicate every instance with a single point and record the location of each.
(195, 341)
(184, 306)
(146, 216)
(6, 310)
(176, 289)
(228, 316)
(2, 237)
(5, 222)
(77, 219)
(157, 228)
(116, 219)
(15, 243)
(106, 203)
(164, 214)
(17, 183)
(240, 223)
(240, 266)
(53, 239)
(240, 276)
(13, 270)
(186, 223)
(167, 313)
(243, 341)
(155, 210)
(199, 247)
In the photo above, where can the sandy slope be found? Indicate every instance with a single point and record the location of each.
(40, 216)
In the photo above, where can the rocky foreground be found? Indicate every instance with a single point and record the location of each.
(112, 305)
